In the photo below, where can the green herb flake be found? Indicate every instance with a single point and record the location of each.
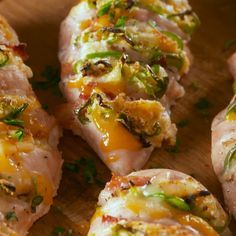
(36, 201)
(90, 172)
(105, 54)
(183, 123)
(203, 104)
(73, 167)
(3, 58)
(45, 106)
(85, 166)
(60, 231)
(52, 78)
(229, 44)
(19, 134)
(121, 22)
(175, 148)
(11, 216)
(104, 9)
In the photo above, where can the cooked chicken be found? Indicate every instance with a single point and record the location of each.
(157, 202)
(122, 52)
(30, 164)
(224, 147)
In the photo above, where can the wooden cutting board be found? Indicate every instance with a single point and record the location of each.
(37, 23)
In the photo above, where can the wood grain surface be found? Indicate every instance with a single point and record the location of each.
(37, 23)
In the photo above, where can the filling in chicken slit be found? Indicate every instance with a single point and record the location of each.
(157, 202)
(124, 59)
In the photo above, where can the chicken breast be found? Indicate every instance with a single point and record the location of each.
(30, 163)
(121, 62)
(157, 202)
(224, 147)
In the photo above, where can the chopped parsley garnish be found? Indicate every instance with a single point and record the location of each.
(182, 123)
(203, 104)
(121, 21)
(11, 216)
(60, 231)
(19, 134)
(36, 201)
(52, 78)
(86, 167)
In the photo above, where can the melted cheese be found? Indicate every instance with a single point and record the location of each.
(85, 24)
(231, 116)
(44, 188)
(114, 135)
(112, 87)
(197, 223)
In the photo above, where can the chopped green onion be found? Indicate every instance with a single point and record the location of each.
(173, 60)
(104, 54)
(104, 9)
(121, 21)
(174, 37)
(19, 134)
(11, 216)
(13, 122)
(36, 201)
(230, 158)
(3, 58)
(60, 231)
(174, 201)
(18, 111)
(10, 119)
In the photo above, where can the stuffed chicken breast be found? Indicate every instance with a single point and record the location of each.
(224, 147)
(121, 62)
(30, 164)
(157, 202)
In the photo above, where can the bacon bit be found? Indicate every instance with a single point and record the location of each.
(20, 50)
(84, 96)
(125, 182)
(109, 219)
